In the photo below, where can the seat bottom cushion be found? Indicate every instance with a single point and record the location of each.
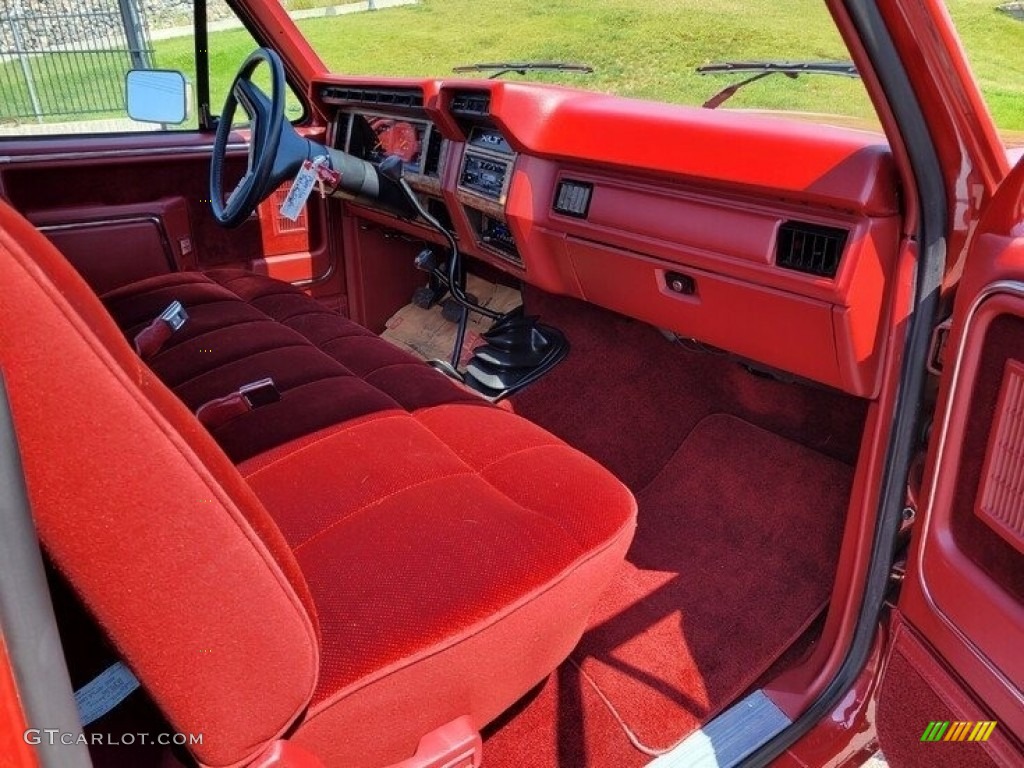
(453, 550)
(454, 555)
(244, 327)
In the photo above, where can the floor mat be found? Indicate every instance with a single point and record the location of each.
(734, 555)
(627, 397)
(426, 333)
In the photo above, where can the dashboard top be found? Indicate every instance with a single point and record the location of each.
(808, 163)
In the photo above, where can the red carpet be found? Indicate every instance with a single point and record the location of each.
(628, 397)
(739, 527)
(733, 558)
(563, 725)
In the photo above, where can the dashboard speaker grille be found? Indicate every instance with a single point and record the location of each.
(1001, 495)
(810, 248)
(573, 198)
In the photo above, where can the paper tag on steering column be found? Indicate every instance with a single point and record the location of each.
(301, 189)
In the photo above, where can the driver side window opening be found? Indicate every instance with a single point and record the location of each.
(63, 71)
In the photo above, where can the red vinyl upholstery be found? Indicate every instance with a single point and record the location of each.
(390, 554)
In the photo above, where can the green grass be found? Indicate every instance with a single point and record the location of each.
(993, 42)
(64, 82)
(305, 5)
(645, 50)
(639, 48)
(649, 49)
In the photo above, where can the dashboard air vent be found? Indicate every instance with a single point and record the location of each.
(432, 163)
(573, 198)
(384, 97)
(471, 103)
(810, 248)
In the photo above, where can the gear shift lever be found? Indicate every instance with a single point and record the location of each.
(393, 168)
(517, 349)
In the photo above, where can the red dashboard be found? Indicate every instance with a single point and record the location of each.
(771, 238)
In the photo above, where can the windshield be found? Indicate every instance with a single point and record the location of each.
(649, 49)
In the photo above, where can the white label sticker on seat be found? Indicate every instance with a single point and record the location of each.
(104, 692)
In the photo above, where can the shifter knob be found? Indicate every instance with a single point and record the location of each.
(426, 260)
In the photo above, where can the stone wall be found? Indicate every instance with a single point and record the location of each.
(46, 25)
(1014, 10)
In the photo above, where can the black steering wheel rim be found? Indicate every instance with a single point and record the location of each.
(267, 119)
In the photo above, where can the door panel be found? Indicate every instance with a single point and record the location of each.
(113, 245)
(963, 598)
(98, 183)
(93, 175)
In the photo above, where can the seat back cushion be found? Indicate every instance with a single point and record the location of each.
(146, 517)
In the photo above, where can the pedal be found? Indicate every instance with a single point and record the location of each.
(451, 310)
(424, 297)
(427, 296)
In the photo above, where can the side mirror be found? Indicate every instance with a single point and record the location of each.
(156, 96)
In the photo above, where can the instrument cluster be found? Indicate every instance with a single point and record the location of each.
(372, 137)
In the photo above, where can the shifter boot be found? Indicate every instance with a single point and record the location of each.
(518, 350)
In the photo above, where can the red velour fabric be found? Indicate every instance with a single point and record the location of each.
(452, 582)
(146, 517)
(452, 551)
(244, 327)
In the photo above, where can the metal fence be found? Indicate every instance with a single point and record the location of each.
(62, 63)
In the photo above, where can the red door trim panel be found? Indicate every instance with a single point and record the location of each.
(963, 631)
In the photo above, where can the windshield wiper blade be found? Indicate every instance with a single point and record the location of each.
(791, 69)
(521, 67)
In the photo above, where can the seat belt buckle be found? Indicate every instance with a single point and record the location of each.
(248, 397)
(260, 393)
(175, 316)
(151, 339)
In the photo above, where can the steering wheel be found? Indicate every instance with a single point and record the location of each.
(267, 168)
(277, 151)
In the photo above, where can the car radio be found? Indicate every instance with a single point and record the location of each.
(484, 175)
(487, 164)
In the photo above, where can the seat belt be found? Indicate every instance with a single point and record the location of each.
(151, 339)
